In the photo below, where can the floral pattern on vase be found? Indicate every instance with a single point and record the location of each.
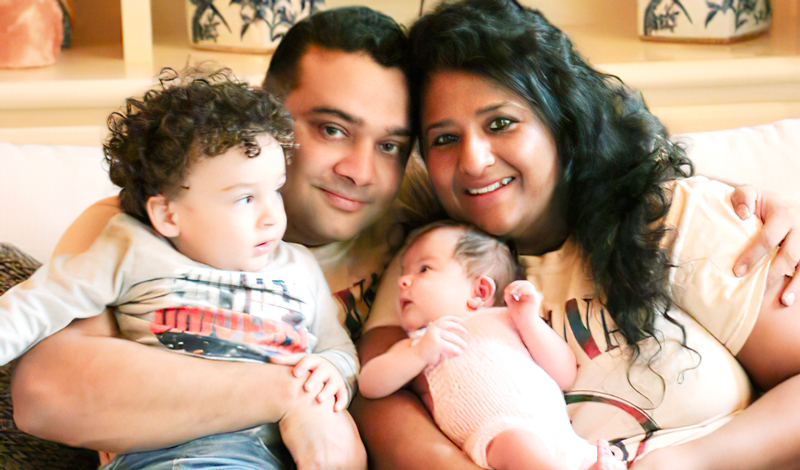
(245, 25)
(703, 20)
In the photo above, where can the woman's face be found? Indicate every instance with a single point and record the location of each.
(492, 162)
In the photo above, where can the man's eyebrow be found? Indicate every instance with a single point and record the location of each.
(399, 131)
(337, 112)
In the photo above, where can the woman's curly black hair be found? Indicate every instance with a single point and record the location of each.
(615, 156)
(155, 139)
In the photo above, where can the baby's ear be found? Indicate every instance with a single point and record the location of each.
(483, 289)
(163, 218)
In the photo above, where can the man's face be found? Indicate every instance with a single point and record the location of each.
(351, 127)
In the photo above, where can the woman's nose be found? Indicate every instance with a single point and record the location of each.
(476, 155)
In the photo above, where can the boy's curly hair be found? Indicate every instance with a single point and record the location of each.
(155, 139)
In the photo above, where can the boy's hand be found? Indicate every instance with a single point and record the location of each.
(321, 375)
(443, 338)
(522, 300)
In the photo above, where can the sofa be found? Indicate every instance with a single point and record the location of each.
(45, 187)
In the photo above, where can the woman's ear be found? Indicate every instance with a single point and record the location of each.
(163, 218)
(483, 289)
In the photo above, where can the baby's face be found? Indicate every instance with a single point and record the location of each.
(432, 282)
(231, 216)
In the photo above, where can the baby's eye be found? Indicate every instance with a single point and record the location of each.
(424, 268)
(500, 124)
(245, 200)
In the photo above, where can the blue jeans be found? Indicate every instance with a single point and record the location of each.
(236, 450)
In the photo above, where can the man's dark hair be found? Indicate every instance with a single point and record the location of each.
(348, 29)
(155, 139)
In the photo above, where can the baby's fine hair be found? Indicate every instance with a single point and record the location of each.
(192, 115)
(478, 253)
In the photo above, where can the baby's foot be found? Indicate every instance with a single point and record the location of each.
(605, 459)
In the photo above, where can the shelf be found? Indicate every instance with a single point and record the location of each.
(691, 87)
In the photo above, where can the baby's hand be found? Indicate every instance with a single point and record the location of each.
(522, 299)
(320, 372)
(443, 338)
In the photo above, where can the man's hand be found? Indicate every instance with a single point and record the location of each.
(781, 218)
(320, 439)
(444, 338)
(322, 377)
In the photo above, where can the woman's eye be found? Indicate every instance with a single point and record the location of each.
(500, 124)
(443, 140)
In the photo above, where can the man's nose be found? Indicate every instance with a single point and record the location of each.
(359, 165)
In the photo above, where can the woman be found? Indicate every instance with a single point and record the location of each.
(525, 140)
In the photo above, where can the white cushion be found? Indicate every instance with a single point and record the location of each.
(767, 156)
(43, 188)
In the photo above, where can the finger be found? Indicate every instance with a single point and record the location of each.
(306, 366)
(341, 400)
(452, 327)
(329, 388)
(789, 294)
(286, 359)
(743, 200)
(454, 339)
(316, 381)
(773, 232)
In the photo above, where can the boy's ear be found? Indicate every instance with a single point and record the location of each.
(483, 289)
(163, 218)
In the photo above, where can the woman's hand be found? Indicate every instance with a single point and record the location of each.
(781, 218)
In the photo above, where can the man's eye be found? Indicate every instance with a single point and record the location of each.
(390, 148)
(500, 124)
(444, 139)
(331, 131)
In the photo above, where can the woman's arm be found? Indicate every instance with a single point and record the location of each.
(766, 435)
(85, 386)
(398, 431)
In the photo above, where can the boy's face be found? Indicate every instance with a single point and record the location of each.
(433, 283)
(232, 215)
(351, 126)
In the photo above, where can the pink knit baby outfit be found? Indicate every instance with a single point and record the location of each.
(495, 385)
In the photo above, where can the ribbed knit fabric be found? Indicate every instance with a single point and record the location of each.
(495, 385)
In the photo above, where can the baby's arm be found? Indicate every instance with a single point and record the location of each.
(551, 352)
(389, 372)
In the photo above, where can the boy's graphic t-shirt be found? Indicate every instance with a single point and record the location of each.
(164, 299)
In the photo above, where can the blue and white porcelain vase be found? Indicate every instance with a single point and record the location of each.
(244, 25)
(703, 20)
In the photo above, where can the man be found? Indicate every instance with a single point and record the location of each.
(341, 74)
